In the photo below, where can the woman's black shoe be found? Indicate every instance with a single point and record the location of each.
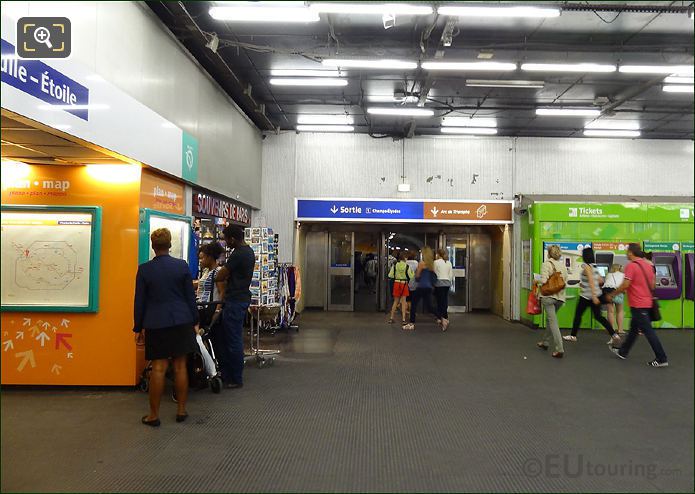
(182, 417)
(151, 423)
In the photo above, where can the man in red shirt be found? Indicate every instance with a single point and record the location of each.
(639, 282)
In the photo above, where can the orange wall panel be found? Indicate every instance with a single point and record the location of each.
(80, 348)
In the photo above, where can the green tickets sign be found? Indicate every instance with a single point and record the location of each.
(661, 246)
(614, 212)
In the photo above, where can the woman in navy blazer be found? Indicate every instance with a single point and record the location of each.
(165, 311)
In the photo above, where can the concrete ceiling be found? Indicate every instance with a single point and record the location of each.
(643, 33)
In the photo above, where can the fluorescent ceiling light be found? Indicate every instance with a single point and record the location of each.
(325, 128)
(92, 106)
(325, 119)
(317, 81)
(490, 66)
(657, 69)
(389, 98)
(613, 125)
(469, 122)
(251, 13)
(678, 89)
(568, 112)
(568, 67)
(371, 8)
(369, 63)
(674, 79)
(304, 73)
(469, 130)
(485, 11)
(503, 83)
(612, 133)
(406, 112)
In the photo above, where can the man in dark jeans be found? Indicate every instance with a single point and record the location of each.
(237, 272)
(639, 281)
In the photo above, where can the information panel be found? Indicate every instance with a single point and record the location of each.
(179, 235)
(47, 260)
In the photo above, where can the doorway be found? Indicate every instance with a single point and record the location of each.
(367, 271)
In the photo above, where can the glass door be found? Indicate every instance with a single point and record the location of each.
(341, 264)
(457, 248)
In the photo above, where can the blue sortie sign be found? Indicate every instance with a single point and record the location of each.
(359, 210)
(43, 82)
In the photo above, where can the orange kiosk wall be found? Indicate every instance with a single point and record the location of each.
(100, 349)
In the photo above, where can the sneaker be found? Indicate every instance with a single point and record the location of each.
(656, 363)
(615, 339)
(569, 337)
(616, 351)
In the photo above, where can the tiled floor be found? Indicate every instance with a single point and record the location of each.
(353, 404)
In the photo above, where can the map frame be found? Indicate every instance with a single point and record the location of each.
(144, 246)
(94, 257)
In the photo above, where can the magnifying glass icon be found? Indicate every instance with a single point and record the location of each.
(43, 35)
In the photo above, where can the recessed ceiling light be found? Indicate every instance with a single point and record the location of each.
(304, 73)
(325, 128)
(317, 81)
(487, 66)
(674, 79)
(382, 64)
(371, 8)
(568, 67)
(680, 88)
(504, 83)
(613, 125)
(406, 112)
(469, 130)
(495, 11)
(250, 13)
(568, 112)
(325, 119)
(612, 133)
(469, 122)
(390, 98)
(657, 69)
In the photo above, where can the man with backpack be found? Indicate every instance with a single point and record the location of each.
(639, 285)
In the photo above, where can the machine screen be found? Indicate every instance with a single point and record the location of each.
(663, 270)
(602, 270)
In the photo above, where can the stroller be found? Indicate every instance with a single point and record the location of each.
(203, 368)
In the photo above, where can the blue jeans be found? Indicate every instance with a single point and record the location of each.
(232, 361)
(641, 320)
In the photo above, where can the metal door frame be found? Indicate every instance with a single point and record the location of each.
(341, 271)
(443, 241)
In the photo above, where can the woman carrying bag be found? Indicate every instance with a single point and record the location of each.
(553, 282)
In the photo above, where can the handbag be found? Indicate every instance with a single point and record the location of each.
(554, 283)
(654, 310)
(533, 306)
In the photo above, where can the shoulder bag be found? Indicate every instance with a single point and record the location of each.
(654, 311)
(554, 284)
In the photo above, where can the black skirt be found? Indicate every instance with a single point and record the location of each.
(174, 341)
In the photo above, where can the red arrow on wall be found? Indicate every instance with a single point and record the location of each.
(61, 338)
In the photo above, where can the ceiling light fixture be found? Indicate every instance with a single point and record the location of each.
(674, 79)
(488, 66)
(686, 70)
(371, 8)
(401, 112)
(317, 81)
(469, 122)
(369, 64)
(678, 89)
(325, 119)
(304, 73)
(613, 125)
(503, 83)
(568, 67)
(568, 112)
(612, 133)
(325, 128)
(390, 98)
(478, 11)
(469, 130)
(248, 12)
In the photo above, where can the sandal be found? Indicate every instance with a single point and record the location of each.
(390, 321)
(558, 354)
(151, 423)
(542, 345)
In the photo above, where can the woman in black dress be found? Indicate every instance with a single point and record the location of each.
(166, 318)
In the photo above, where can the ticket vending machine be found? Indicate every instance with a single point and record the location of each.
(604, 261)
(668, 275)
(689, 298)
